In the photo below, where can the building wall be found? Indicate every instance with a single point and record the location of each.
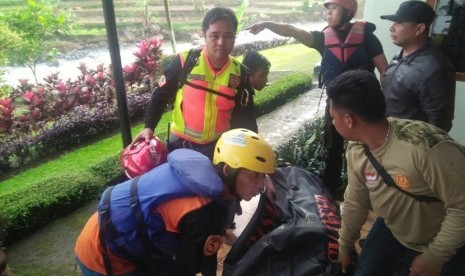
(373, 10)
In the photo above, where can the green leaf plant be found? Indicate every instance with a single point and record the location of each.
(34, 23)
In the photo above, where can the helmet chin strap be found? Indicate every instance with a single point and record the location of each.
(229, 176)
(345, 19)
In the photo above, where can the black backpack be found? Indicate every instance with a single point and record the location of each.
(191, 61)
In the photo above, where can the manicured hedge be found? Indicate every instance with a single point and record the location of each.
(26, 209)
(281, 91)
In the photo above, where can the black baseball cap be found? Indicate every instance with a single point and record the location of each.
(413, 11)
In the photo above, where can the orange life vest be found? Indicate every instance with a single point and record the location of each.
(344, 50)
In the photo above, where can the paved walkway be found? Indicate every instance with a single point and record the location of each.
(52, 247)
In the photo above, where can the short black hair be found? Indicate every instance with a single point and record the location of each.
(217, 14)
(255, 61)
(359, 92)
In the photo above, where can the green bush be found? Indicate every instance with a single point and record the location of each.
(34, 22)
(281, 91)
(29, 208)
(307, 150)
(108, 168)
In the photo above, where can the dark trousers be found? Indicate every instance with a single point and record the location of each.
(334, 144)
(176, 142)
(382, 254)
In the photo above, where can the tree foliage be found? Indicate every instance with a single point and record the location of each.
(34, 24)
(8, 40)
(240, 14)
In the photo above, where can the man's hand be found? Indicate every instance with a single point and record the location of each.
(346, 262)
(256, 28)
(146, 134)
(421, 267)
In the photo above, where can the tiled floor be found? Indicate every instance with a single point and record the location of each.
(248, 209)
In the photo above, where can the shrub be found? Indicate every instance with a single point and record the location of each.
(282, 91)
(259, 45)
(8, 40)
(307, 150)
(31, 108)
(34, 23)
(38, 204)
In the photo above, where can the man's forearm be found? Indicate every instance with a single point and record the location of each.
(154, 112)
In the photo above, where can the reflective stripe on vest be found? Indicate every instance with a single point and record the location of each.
(344, 50)
(210, 101)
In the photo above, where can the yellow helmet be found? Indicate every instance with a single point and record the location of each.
(242, 148)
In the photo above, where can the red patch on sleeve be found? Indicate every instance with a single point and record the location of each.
(162, 81)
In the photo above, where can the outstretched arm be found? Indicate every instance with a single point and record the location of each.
(286, 30)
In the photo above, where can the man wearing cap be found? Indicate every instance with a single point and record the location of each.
(419, 83)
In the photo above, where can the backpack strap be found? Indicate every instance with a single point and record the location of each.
(106, 226)
(150, 251)
(245, 94)
(104, 212)
(390, 182)
(206, 89)
(191, 61)
(141, 224)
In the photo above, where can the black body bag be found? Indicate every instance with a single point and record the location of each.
(294, 230)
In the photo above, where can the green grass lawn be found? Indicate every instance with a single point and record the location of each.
(77, 160)
(293, 57)
(283, 58)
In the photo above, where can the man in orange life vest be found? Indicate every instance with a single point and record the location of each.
(213, 99)
(344, 46)
(169, 220)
